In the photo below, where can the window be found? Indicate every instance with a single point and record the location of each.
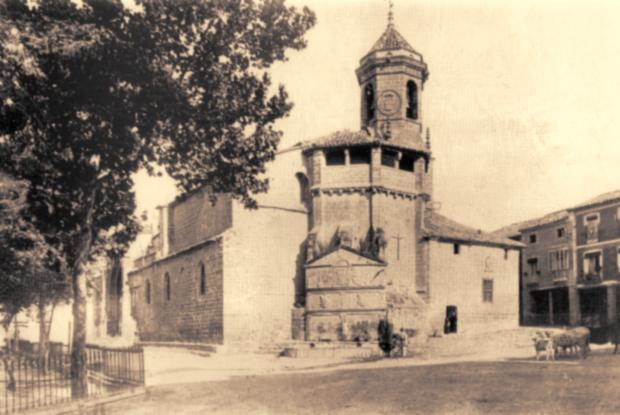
(389, 158)
(167, 286)
(561, 233)
(533, 238)
(304, 189)
(203, 280)
(593, 263)
(360, 155)
(412, 100)
(457, 249)
(591, 222)
(334, 158)
(487, 291)
(618, 213)
(505, 254)
(559, 260)
(147, 292)
(406, 162)
(532, 266)
(618, 259)
(369, 102)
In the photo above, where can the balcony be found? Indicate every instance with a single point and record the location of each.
(560, 276)
(590, 278)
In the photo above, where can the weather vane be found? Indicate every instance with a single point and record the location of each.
(391, 13)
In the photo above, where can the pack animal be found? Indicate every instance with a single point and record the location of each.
(543, 345)
(578, 337)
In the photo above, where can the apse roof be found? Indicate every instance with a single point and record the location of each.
(440, 227)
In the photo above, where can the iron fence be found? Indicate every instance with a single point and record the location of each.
(29, 382)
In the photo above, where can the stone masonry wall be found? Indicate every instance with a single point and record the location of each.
(457, 280)
(188, 315)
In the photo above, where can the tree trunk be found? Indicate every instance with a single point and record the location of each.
(78, 345)
(9, 358)
(78, 284)
(42, 335)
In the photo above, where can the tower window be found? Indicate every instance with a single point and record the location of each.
(369, 102)
(360, 155)
(334, 158)
(487, 290)
(203, 280)
(304, 189)
(412, 100)
(407, 162)
(389, 158)
(167, 286)
(456, 249)
(147, 292)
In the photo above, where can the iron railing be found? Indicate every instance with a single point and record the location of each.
(29, 382)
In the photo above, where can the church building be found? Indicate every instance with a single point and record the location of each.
(346, 236)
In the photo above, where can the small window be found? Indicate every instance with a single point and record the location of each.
(412, 100)
(505, 254)
(618, 259)
(147, 292)
(618, 213)
(533, 239)
(389, 158)
(532, 265)
(203, 280)
(487, 291)
(167, 286)
(334, 158)
(561, 233)
(406, 162)
(456, 249)
(369, 101)
(592, 223)
(360, 155)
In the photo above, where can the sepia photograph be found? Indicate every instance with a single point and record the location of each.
(282, 207)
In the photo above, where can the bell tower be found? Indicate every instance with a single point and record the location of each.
(391, 78)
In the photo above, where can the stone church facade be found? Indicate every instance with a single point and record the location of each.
(346, 236)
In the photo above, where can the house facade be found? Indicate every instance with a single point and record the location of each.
(570, 268)
(346, 236)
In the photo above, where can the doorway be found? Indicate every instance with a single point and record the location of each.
(450, 324)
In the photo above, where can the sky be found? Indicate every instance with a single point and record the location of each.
(522, 100)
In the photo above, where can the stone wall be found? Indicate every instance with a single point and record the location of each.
(188, 315)
(345, 297)
(196, 219)
(457, 280)
(264, 253)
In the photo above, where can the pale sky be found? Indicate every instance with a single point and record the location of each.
(522, 100)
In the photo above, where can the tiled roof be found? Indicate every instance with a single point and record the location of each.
(516, 228)
(391, 40)
(437, 226)
(363, 137)
(603, 198)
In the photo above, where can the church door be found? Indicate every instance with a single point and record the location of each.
(451, 320)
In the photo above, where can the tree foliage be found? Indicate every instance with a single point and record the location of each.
(91, 93)
(28, 265)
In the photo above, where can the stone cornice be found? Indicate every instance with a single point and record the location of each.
(341, 190)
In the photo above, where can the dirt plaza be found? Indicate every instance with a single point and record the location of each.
(518, 385)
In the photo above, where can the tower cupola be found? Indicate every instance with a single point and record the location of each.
(391, 77)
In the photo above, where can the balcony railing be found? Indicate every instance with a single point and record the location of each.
(590, 278)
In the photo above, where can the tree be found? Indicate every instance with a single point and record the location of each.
(98, 92)
(29, 270)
